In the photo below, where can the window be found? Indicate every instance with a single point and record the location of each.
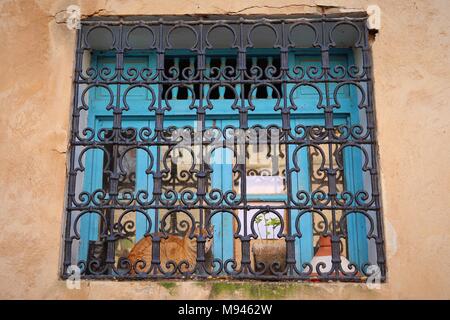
(241, 149)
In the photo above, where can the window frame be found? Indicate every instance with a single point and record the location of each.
(351, 160)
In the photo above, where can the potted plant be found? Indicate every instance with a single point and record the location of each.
(268, 248)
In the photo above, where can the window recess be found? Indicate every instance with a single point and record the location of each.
(231, 148)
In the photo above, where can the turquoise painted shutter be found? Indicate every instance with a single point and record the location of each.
(222, 178)
(93, 180)
(222, 174)
(300, 181)
(307, 98)
(144, 181)
(138, 99)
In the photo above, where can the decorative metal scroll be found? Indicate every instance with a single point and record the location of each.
(124, 184)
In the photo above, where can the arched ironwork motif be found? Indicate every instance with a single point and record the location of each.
(143, 139)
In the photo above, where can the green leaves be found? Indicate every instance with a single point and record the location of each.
(272, 222)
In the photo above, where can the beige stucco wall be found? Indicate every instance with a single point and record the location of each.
(412, 87)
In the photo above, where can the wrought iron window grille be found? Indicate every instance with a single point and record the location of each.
(224, 148)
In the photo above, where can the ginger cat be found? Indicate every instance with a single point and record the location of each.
(175, 248)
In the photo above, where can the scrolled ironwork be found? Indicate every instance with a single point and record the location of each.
(145, 194)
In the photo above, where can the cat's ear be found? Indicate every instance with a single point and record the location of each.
(192, 244)
(197, 229)
(210, 229)
(209, 242)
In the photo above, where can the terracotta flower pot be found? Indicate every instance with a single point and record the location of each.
(323, 255)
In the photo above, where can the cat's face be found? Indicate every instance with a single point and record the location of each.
(192, 243)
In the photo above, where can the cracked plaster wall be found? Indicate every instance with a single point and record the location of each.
(412, 85)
